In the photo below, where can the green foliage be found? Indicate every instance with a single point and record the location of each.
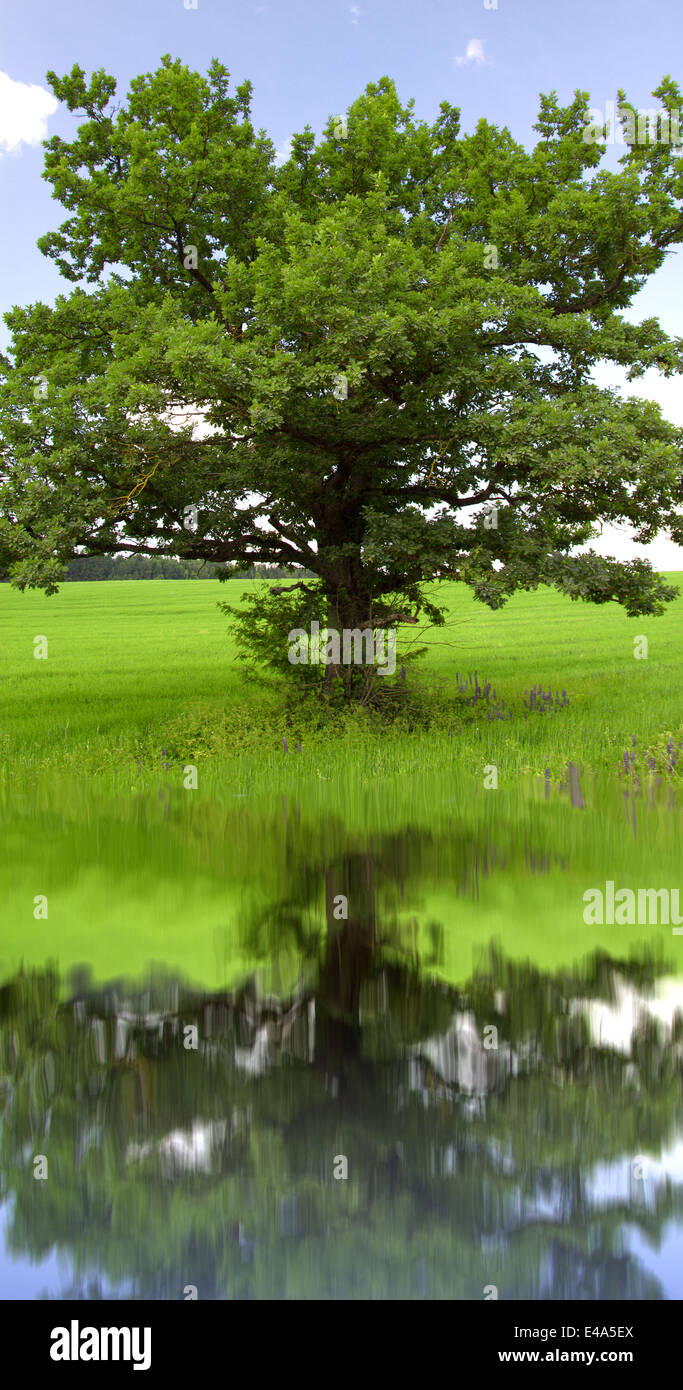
(199, 733)
(262, 622)
(601, 580)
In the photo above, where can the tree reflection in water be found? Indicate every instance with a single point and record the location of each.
(468, 1165)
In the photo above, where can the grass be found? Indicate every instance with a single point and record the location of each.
(138, 868)
(136, 668)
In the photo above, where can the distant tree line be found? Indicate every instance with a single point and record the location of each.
(97, 567)
(84, 567)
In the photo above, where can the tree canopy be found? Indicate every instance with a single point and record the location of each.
(372, 361)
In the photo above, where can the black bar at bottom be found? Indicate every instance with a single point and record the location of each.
(161, 1341)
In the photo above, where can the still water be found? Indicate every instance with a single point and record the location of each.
(273, 1055)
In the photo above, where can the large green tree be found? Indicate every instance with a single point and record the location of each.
(342, 362)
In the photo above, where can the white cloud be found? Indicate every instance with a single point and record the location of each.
(474, 54)
(24, 109)
(283, 152)
(355, 12)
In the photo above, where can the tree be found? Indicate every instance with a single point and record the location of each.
(372, 362)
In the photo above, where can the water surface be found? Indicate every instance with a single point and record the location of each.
(276, 1052)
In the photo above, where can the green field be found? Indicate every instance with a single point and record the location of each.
(136, 668)
(139, 868)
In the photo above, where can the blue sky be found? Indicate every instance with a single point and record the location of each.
(308, 59)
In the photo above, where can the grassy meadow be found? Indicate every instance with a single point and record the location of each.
(136, 668)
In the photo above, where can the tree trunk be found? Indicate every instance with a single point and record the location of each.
(348, 961)
(348, 610)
